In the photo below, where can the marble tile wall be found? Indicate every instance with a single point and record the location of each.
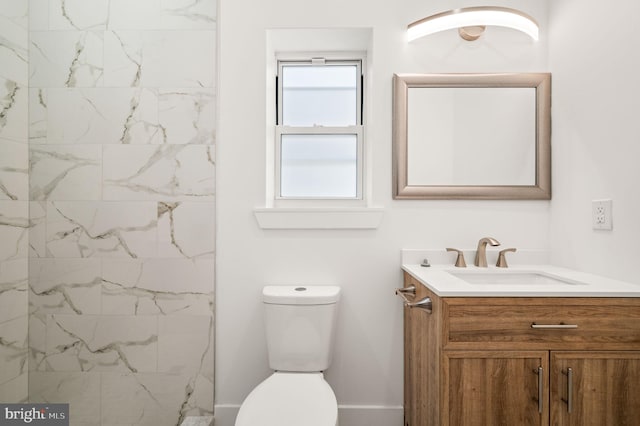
(121, 208)
(14, 200)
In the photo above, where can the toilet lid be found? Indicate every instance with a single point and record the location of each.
(290, 399)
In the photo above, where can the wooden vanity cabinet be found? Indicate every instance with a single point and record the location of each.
(477, 361)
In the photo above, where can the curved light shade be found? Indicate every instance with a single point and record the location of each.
(474, 17)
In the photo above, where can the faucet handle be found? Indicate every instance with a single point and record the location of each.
(460, 263)
(502, 258)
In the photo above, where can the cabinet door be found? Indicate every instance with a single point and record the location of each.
(496, 388)
(603, 388)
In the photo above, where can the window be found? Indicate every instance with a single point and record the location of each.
(317, 169)
(319, 130)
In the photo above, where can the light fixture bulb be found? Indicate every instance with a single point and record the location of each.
(474, 17)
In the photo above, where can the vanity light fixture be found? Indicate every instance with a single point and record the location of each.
(471, 22)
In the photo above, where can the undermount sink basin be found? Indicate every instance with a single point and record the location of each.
(512, 278)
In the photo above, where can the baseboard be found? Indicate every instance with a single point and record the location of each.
(348, 415)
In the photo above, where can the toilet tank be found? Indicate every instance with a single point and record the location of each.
(300, 325)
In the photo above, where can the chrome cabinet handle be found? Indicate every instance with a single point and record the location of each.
(569, 399)
(553, 326)
(540, 388)
(425, 303)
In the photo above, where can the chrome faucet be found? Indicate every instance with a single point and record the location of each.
(481, 252)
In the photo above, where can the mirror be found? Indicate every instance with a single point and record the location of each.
(472, 136)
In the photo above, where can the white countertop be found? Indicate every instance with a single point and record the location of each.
(439, 278)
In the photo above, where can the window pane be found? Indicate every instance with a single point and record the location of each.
(324, 95)
(319, 166)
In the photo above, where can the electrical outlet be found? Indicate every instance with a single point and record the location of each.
(601, 214)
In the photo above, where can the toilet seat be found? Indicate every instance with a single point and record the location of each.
(290, 399)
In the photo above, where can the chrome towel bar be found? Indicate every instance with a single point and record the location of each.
(424, 303)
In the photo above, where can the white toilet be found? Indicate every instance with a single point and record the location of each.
(300, 324)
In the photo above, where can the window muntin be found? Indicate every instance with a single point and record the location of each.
(319, 135)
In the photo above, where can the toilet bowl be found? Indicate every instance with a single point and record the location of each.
(290, 399)
(300, 324)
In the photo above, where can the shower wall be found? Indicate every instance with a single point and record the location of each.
(118, 203)
(14, 200)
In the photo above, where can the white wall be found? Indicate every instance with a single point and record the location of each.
(596, 127)
(367, 369)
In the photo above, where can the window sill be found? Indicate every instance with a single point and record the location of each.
(318, 218)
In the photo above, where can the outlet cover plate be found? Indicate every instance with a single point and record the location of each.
(601, 214)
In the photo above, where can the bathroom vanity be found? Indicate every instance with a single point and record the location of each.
(520, 346)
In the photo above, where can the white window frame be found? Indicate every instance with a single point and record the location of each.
(357, 130)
